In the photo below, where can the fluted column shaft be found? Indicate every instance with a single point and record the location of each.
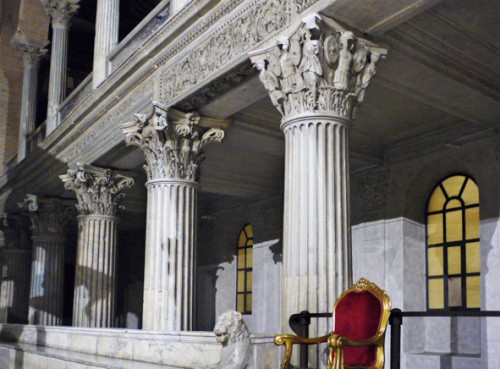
(95, 278)
(106, 37)
(47, 277)
(316, 258)
(170, 241)
(57, 77)
(15, 285)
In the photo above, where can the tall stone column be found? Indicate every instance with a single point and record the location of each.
(173, 152)
(30, 55)
(60, 12)
(15, 259)
(316, 77)
(177, 5)
(48, 218)
(106, 38)
(98, 193)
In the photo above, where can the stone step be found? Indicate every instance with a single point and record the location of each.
(25, 356)
(438, 360)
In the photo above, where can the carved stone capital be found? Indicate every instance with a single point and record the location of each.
(29, 51)
(320, 67)
(173, 148)
(60, 11)
(15, 231)
(98, 191)
(48, 216)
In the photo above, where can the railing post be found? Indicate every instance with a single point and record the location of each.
(396, 321)
(304, 322)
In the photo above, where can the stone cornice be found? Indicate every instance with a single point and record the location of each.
(173, 149)
(320, 67)
(60, 11)
(97, 190)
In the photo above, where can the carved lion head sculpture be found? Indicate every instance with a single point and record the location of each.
(230, 328)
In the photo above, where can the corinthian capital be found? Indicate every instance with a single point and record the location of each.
(98, 191)
(320, 67)
(15, 231)
(173, 148)
(48, 216)
(60, 11)
(29, 51)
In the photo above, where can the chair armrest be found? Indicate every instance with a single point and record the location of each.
(289, 340)
(336, 341)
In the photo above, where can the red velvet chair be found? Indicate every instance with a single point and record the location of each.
(360, 317)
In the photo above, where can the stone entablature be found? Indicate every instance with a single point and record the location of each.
(98, 191)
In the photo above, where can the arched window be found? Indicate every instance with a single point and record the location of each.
(453, 254)
(245, 267)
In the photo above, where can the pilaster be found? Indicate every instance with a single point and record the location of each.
(106, 38)
(60, 12)
(30, 55)
(48, 218)
(15, 258)
(99, 194)
(316, 77)
(173, 150)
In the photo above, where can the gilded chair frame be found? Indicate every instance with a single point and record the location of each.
(336, 342)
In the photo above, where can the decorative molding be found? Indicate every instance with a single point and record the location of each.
(320, 67)
(48, 216)
(250, 26)
(98, 191)
(220, 86)
(173, 150)
(60, 11)
(301, 5)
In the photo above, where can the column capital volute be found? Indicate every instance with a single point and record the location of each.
(98, 191)
(48, 216)
(319, 67)
(173, 142)
(60, 11)
(29, 51)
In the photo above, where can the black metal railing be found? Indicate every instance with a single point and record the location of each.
(300, 325)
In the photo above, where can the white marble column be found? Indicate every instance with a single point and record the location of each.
(173, 151)
(316, 77)
(106, 38)
(177, 5)
(30, 54)
(98, 193)
(15, 259)
(60, 12)
(48, 218)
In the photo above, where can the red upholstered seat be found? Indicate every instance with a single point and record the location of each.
(360, 320)
(357, 316)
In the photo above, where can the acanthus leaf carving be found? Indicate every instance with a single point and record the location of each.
(61, 11)
(98, 191)
(48, 216)
(172, 149)
(320, 67)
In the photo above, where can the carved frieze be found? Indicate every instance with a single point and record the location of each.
(60, 11)
(369, 188)
(320, 67)
(48, 216)
(301, 5)
(98, 191)
(173, 150)
(259, 21)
